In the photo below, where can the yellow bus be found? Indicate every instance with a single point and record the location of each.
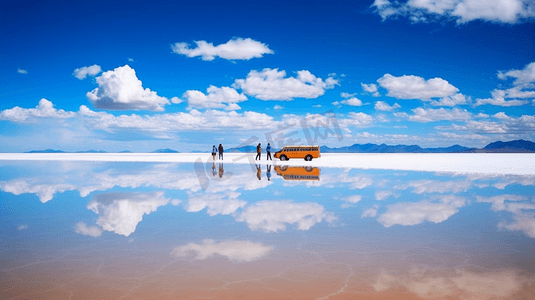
(306, 152)
(298, 173)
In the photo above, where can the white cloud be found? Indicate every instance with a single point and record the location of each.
(498, 202)
(121, 212)
(370, 88)
(501, 11)
(272, 216)
(453, 100)
(522, 222)
(194, 120)
(237, 48)
(370, 212)
(22, 71)
(498, 98)
(82, 72)
(45, 109)
(356, 119)
(217, 204)
(522, 77)
(414, 213)
(383, 106)
(120, 89)
(237, 251)
(434, 186)
(45, 192)
(415, 87)
(352, 102)
(462, 284)
(272, 84)
(382, 195)
(224, 97)
(433, 115)
(83, 229)
(22, 227)
(278, 107)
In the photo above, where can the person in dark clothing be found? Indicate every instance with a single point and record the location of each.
(268, 150)
(268, 173)
(258, 152)
(220, 151)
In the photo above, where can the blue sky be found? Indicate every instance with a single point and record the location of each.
(146, 75)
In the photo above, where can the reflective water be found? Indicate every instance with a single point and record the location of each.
(82, 230)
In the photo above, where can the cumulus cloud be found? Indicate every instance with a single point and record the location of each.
(236, 251)
(121, 212)
(498, 99)
(415, 87)
(357, 119)
(83, 72)
(224, 97)
(462, 11)
(193, 120)
(370, 88)
(462, 284)
(523, 88)
(234, 49)
(22, 71)
(414, 213)
(522, 77)
(382, 195)
(524, 222)
(83, 229)
(521, 208)
(272, 84)
(370, 212)
(433, 115)
(383, 106)
(45, 109)
(120, 89)
(272, 216)
(434, 186)
(45, 192)
(216, 204)
(350, 100)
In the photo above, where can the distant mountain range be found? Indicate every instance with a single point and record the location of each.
(517, 146)
(502, 147)
(166, 150)
(512, 146)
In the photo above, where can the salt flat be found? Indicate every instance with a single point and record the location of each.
(462, 163)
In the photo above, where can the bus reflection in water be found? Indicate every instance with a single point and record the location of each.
(298, 173)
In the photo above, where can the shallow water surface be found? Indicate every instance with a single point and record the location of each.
(105, 230)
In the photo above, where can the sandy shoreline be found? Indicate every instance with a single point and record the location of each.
(462, 163)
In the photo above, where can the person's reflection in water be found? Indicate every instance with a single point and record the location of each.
(213, 170)
(258, 172)
(221, 170)
(268, 172)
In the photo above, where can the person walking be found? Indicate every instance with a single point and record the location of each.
(220, 151)
(258, 172)
(258, 151)
(214, 151)
(268, 150)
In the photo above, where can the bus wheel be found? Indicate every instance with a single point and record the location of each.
(308, 157)
(284, 157)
